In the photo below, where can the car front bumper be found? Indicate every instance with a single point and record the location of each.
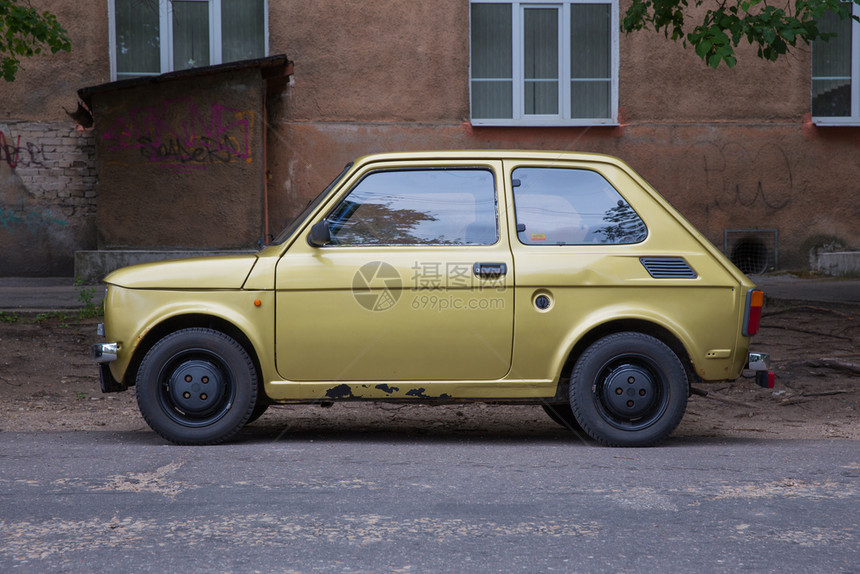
(104, 354)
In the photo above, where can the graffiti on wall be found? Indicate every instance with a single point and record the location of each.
(736, 176)
(16, 215)
(202, 136)
(31, 220)
(15, 153)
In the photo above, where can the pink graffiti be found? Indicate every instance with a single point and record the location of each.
(182, 137)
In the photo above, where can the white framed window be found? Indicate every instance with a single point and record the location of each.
(836, 72)
(544, 63)
(151, 37)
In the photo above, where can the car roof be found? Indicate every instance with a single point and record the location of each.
(478, 154)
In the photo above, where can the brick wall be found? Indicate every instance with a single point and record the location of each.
(47, 197)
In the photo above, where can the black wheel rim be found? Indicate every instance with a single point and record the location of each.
(630, 392)
(196, 388)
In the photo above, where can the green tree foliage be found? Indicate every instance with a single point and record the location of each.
(24, 32)
(725, 23)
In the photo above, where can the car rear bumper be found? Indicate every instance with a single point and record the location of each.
(760, 363)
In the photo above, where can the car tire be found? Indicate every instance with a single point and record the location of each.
(562, 414)
(196, 386)
(628, 389)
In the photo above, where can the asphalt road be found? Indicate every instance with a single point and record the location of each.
(371, 502)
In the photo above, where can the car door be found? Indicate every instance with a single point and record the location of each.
(412, 285)
(576, 243)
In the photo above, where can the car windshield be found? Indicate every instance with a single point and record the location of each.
(294, 224)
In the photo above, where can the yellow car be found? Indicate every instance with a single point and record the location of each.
(552, 278)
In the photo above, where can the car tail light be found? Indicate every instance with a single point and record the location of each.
(752, 314)
(765, 379)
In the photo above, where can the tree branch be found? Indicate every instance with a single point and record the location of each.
(773, 30)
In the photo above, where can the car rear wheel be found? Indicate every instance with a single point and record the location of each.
(196, 386)
(628, 389)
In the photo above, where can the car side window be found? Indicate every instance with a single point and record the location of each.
(558, 206)
(445, 206)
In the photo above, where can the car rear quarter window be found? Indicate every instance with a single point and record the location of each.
(418, 207)
(560, 206)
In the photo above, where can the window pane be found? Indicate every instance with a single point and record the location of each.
(831, 69)
(491, 45)
(590, 60)
(445, 207)
(492, 99)
(540, 59)
(572, 207)
(243, 29)
(590, 99)
(190, 34)
(590, 41)
(491, 41)
(137, 38)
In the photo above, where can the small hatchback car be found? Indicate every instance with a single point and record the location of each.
(560, 279)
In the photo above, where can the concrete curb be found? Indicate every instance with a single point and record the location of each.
(821, 290)
(44, 294)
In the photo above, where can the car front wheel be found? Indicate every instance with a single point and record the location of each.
(196, 386)
(628, 389)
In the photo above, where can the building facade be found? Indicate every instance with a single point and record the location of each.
(764, 169)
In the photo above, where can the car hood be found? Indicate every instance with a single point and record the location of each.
(221, 272)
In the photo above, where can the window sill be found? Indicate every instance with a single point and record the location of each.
(833, 121)
(545, 123)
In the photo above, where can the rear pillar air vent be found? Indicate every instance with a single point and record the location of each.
(668, 268)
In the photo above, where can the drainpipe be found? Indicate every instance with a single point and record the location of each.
(265, 168)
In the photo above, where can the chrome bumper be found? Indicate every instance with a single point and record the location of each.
(103, 352)
(758, 362)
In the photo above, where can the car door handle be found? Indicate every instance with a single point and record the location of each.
(490, 270)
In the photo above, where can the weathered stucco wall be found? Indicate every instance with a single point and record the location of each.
(375, 60)
(47, 168)
(48, 83)
(737, 177)
(731, 149)
(181, 163)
